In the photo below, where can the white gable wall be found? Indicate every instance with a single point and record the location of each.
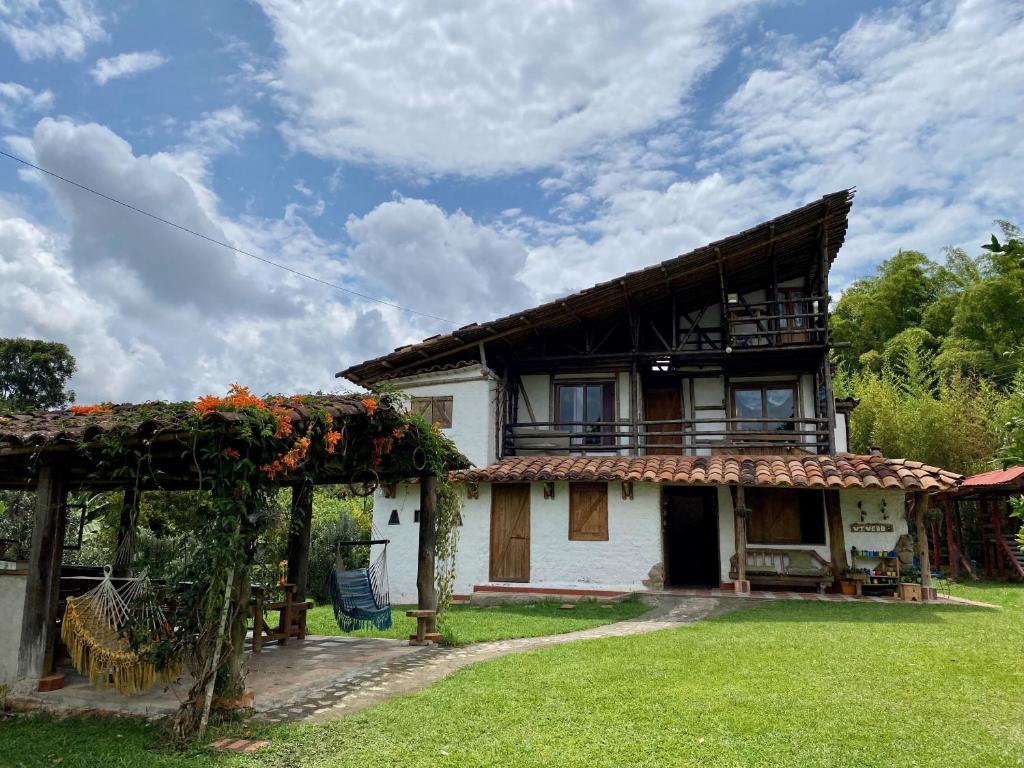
(473, 392)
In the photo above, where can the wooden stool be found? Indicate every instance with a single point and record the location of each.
(424, 623)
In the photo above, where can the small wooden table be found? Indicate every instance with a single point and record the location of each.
(292, 621)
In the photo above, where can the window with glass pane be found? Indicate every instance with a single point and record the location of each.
(767, 401)
(583, 407)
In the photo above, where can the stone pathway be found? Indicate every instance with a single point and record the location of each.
(415, 671)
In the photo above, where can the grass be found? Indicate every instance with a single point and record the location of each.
(467, 624)
(781, 684)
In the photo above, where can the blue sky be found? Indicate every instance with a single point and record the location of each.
(466, 159)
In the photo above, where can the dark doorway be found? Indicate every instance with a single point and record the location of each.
(691, 536)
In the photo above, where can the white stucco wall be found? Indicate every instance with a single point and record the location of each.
(622, 562)
(473, 403)
(537, 389)
(12, 603)
(634, 537)
(842, 433)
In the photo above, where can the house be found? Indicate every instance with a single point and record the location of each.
(671, 427)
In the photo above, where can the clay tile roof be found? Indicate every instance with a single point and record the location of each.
(843, 471)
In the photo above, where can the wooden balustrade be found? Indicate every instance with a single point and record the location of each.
(704, 435)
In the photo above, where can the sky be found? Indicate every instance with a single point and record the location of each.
(462, 160)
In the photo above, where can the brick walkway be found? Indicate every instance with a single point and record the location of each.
(426, 666)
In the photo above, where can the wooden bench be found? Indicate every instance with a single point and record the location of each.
(785, 568)
(291, 622)
(424, 626)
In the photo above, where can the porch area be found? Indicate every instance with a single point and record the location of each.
(277, 679)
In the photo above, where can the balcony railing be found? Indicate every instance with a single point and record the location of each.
(766, 324)
(676, 436)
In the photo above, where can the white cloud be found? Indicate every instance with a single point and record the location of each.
(42, 29)
(920, 108)
(220, 131)
(17, 99)
(488, 86)
(444, 264)
(126, 65)
(151, 312)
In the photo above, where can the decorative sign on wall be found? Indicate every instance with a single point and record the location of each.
(871, 527)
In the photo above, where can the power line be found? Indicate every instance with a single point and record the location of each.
(221, 243)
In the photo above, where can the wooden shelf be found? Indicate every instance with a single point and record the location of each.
(888, 560)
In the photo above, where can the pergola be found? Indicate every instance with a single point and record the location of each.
(54, 453)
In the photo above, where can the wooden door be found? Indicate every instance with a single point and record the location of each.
(510, 532)
(663, 402)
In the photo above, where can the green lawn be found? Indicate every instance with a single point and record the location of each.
(466, 624)
(781, 684)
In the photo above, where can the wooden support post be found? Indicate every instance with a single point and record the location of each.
(298, 538)
(126, 531)
(952, 549)
(426, 588)
(920, 507)
(725, 300)
(933, 542)
(997, 534)
(830, 405)
(836, 536)
(42, 590)
(634, 409)
(740, 514)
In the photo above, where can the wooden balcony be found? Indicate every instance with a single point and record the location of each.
(681, 436)
(774, 324)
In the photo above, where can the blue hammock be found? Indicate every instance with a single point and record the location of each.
(360, 596)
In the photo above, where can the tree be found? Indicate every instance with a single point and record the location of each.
(34, 374)
(875, 309)
(988, 324)
(908, 410)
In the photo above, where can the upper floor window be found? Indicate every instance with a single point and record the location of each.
(587, 407)
(434, 410)
(766, 402)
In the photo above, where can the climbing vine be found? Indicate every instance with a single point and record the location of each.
(449, 520)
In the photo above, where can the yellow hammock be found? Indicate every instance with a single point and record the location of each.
(94, 630)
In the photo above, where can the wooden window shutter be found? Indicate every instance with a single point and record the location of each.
(422, 406)
(774, 516)
(588, 512)
(443, 411)
(434, 410)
